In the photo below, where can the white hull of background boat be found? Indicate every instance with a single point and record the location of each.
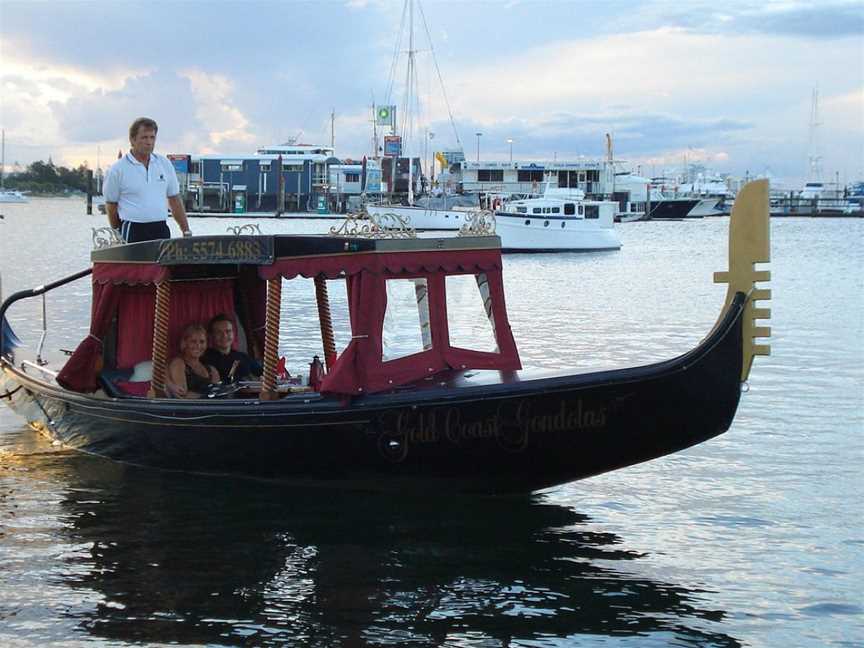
(526, 234)
(422, 218)
(706, 207)
(629, 217)
(12, 197)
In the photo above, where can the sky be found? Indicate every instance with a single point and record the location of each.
(725, 84)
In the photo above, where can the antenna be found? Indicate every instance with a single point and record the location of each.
(814, 159)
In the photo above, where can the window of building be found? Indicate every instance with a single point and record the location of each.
(231, 165)
(490, 175)
(406, 320)
(292, 168)
(592, 211)
(264, 167)
(319, 176)
(352, 177)
(529, 176)
(592, 175)
(469, 313)
(195, 167)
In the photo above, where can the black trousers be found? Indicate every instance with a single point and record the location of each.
(137, 232)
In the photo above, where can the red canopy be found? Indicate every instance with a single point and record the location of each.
(127, 290)
(360, 368)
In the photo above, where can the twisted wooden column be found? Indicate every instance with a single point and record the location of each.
(271, 339)
(325, 321)
(160, 339)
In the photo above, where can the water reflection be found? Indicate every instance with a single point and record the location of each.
(174, 558)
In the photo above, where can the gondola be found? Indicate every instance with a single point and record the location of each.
(444, 416)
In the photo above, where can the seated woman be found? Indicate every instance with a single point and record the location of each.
(188, 377)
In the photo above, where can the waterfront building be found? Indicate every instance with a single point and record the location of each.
(596, 178)
(285, 177)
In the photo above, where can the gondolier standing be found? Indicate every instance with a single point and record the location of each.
(140, 186)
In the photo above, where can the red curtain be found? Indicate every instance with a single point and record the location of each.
(367, 301)
(81, 371)
(130, 274)
(192, 302)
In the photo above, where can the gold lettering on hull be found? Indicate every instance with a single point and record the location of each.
(511, 425)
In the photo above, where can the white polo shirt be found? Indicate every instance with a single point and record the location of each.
(141, 193)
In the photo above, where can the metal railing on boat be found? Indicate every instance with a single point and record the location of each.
(35, 292)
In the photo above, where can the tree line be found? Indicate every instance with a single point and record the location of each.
(47, 178)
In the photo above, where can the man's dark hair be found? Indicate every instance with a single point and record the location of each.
(138, 124)
(221, 317)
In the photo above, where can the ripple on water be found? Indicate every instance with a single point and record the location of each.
(752, 538)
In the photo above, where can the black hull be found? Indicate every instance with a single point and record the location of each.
(506, 436)
(672, 209)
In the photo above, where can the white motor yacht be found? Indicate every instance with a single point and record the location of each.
(560, 221)
(9, 196)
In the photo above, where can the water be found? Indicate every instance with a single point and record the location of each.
(752, 539)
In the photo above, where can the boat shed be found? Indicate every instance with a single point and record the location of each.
(287, 177)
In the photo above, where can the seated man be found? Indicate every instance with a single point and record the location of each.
(232, 365)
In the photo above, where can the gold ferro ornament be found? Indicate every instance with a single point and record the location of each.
(749, 244)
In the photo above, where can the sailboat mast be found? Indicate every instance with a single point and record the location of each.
(2, 158)
(410, 115)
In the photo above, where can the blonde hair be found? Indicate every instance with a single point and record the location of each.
(190, 330)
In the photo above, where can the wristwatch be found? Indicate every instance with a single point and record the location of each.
(187, 233)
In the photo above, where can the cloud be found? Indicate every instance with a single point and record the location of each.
(824, 20)
(731, 81)
(215, 111)
(106, 114)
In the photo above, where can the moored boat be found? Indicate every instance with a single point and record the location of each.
(441, 410)
(7, 195)
(12, 196)
(559, 221)
(424, 218)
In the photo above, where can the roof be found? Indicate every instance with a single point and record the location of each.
(265, 250)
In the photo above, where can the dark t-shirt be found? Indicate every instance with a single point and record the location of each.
(223, 362)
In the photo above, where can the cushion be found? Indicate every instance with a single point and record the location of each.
(143, 372)
(133, 387)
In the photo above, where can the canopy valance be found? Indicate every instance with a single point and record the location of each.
(384, 263)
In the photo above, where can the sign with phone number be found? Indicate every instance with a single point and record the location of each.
(240, 249)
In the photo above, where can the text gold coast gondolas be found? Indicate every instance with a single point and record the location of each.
(447, 415)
